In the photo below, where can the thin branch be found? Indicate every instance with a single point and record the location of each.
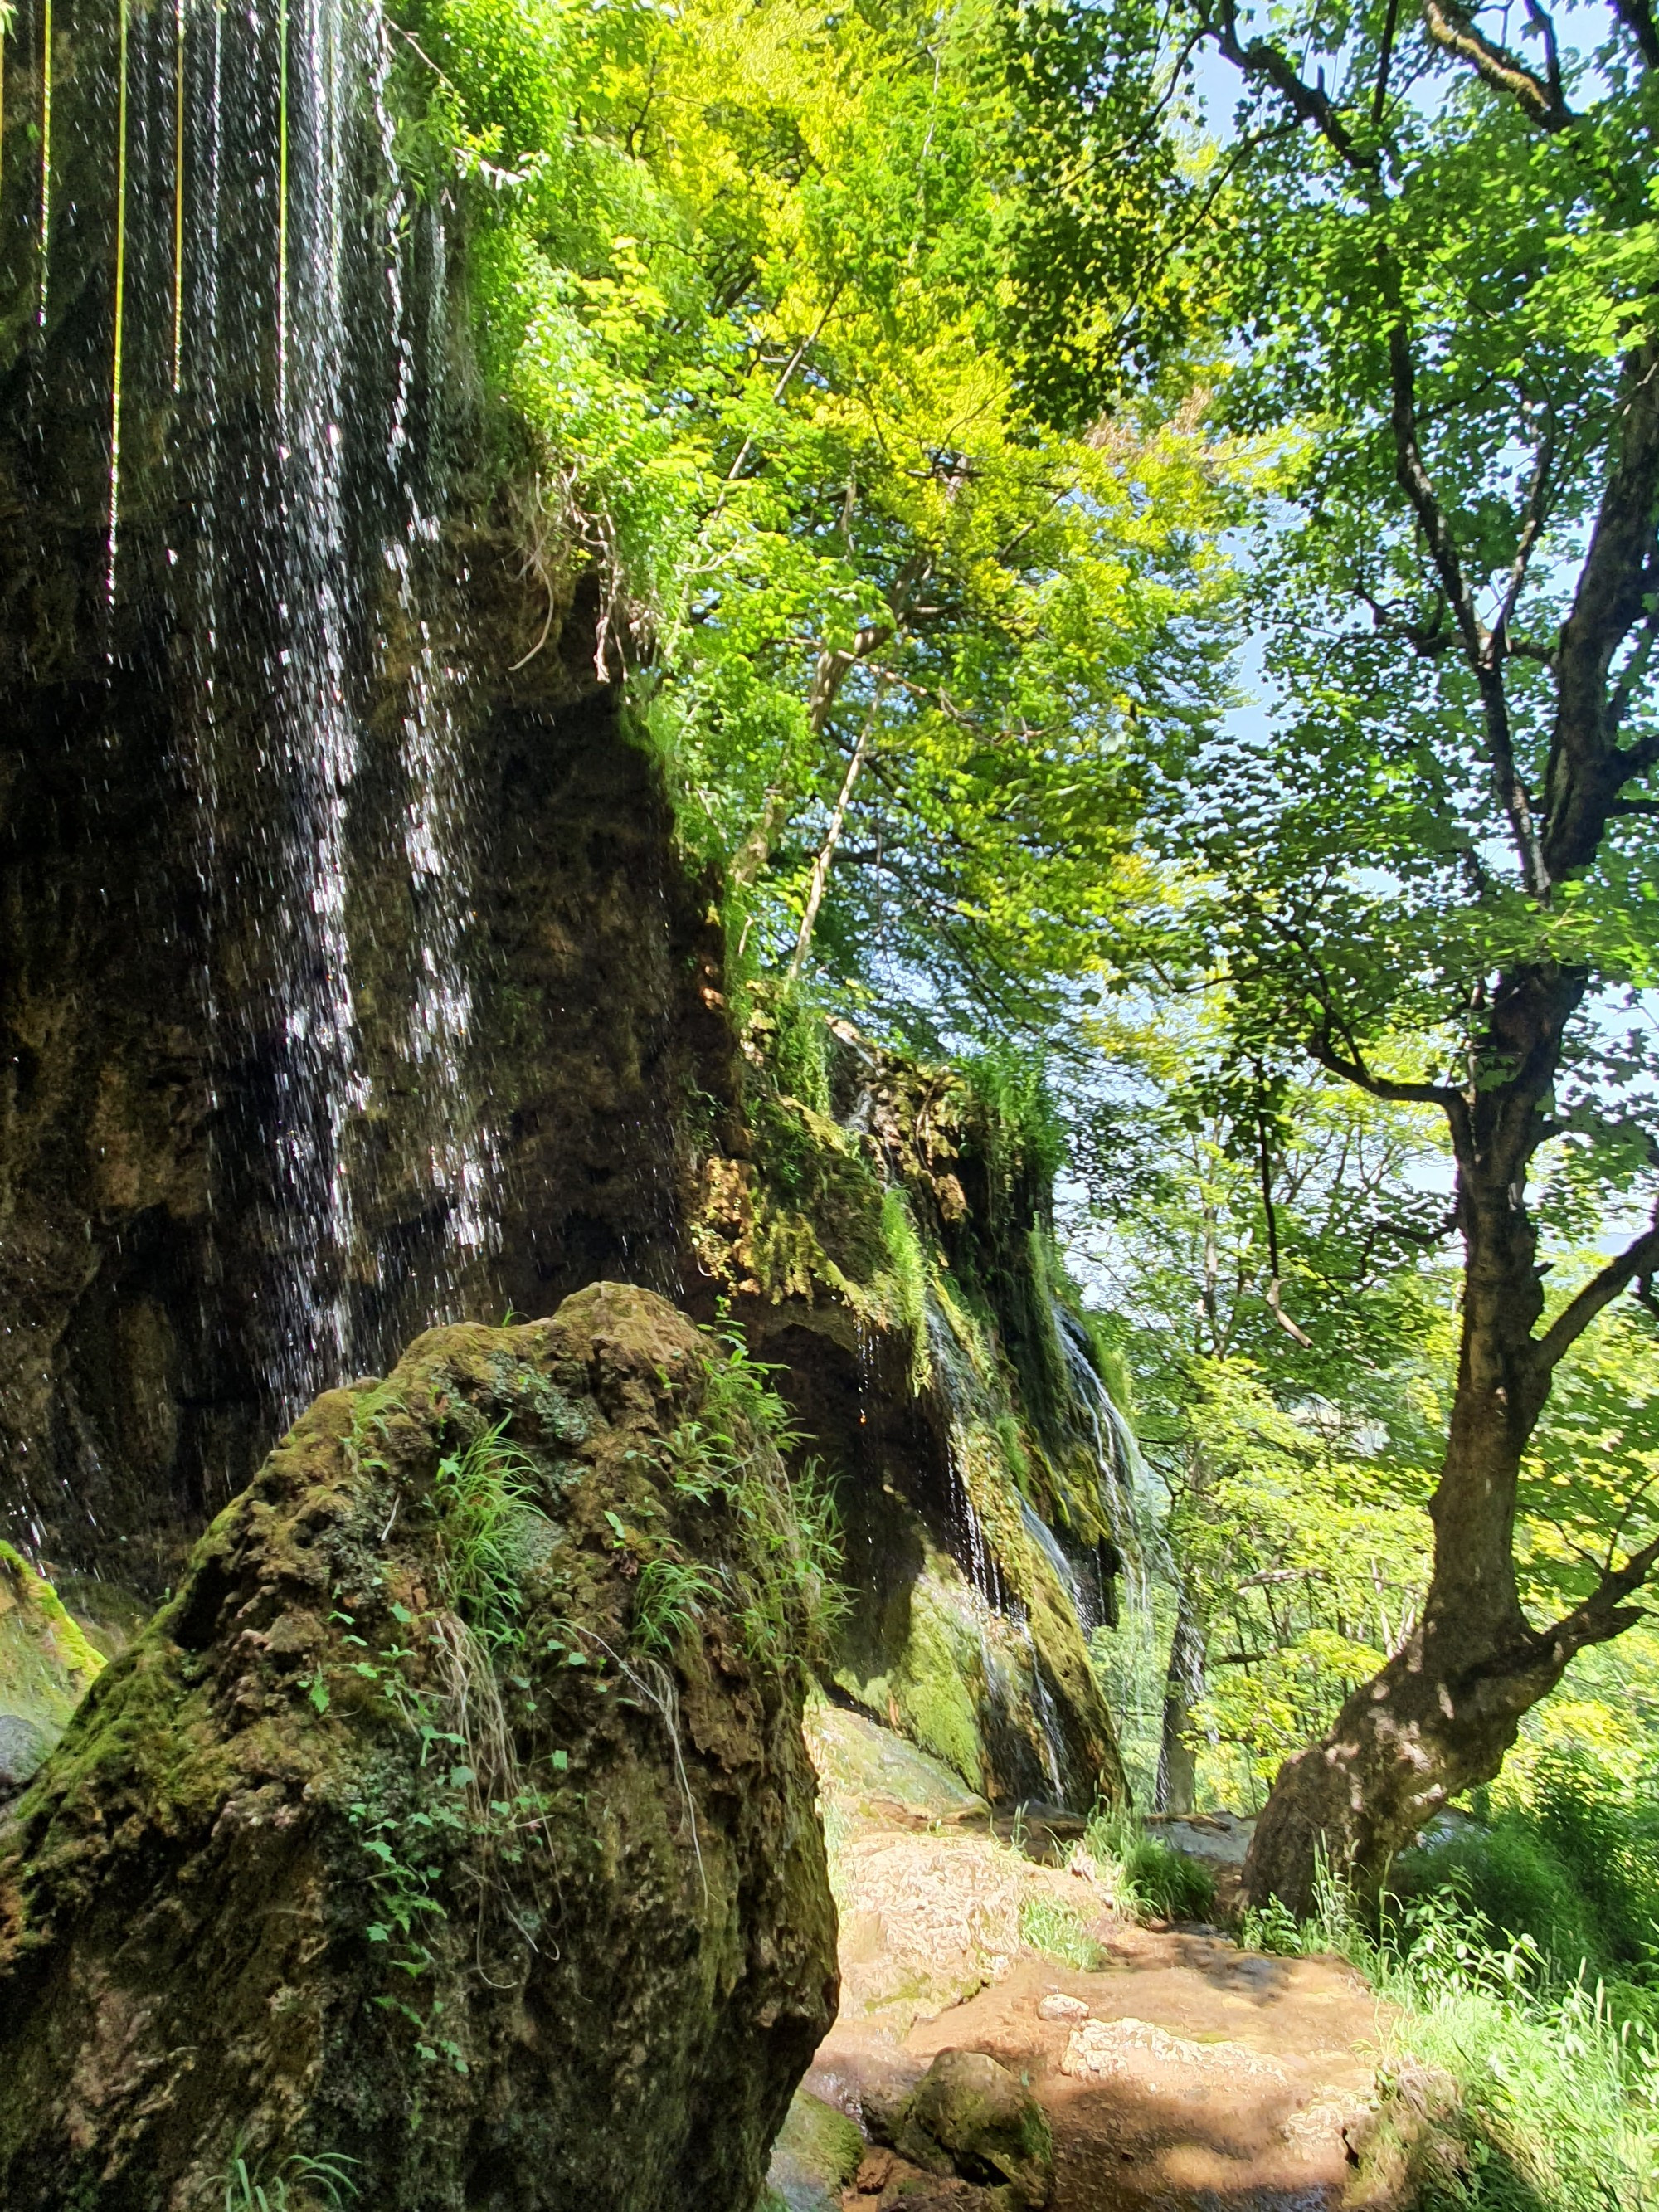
(1605, 1612)
(1264, 1155)
(1310, 102)
(1569, 1325)
(1531, 529)
(1635, 668)
(778, 390)
(1481, 646)
(826, 852)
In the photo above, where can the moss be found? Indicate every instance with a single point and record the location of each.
(816, 2156)
(47, 1661)
(913, 1219)
(932, 1684)
(398, 1840)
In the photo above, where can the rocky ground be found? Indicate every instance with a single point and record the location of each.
(1176, 2073)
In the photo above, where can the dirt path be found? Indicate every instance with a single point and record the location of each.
(1184, 2074)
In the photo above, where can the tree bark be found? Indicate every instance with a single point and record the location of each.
(1448, 1705)
(1178, 1763)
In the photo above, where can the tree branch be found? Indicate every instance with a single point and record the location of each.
(826, 853)
(1538, 99)
(1310, 102)
(1586, 768)
(1637, 18)
(1604, 1613)
(1380, 97)
(1380, 1086)
(1531, 526)
(1482, 648)
(1569, 1325)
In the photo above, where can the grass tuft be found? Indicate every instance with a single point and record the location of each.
(1148, 1877)
(1059, 1932)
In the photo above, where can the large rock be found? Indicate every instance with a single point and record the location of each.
(452, 1820)
(970, 2116)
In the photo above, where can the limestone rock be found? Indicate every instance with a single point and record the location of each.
(971, 2117)
(453, 1819)
(23, 1748)
(1057, 2005)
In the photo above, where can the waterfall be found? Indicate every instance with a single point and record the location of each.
(276, 411)
(955, 1381)
(1132, 1657)
(1122, 1472)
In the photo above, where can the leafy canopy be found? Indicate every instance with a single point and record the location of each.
(777, 334)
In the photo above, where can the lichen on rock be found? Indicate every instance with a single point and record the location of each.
(394, 1840)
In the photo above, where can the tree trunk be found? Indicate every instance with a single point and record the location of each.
(1441, 1713)
(1177, 1764)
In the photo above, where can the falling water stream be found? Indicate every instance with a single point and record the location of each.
(275, 410)
(1138, 1648)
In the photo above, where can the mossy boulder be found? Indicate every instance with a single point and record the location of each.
(970, 2116)
(453, 1823)
(815, 2157)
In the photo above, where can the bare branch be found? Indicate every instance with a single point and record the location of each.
(1532, 525)
(1564, 1331)
(1540, 101)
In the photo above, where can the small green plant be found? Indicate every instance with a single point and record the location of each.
(1059, 1932)
(297, 2182)
(1148, 1875)
(789, 1601)
(485, 1500)
(669, 1601)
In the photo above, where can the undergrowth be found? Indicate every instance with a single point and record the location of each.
(297, 2185)
(788, 1599)
(1059, 1932)
(484, 1499)
(1148, 1878)
(1554, 2070)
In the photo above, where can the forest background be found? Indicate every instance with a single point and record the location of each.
(967, 412)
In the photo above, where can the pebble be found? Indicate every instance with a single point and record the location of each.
(1058, 2006)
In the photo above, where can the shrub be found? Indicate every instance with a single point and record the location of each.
(1575, 1870)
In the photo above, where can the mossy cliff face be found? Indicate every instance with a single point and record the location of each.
(454, 1818)
(886, 1242)
(349, 981)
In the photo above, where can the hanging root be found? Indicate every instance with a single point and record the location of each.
(473, 1705)
(654, 1685)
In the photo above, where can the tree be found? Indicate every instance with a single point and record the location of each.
(905, 634)
(1439, 255)
(1264, 1251)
